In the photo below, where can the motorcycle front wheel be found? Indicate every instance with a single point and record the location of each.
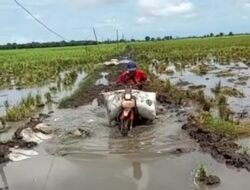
(125, 126)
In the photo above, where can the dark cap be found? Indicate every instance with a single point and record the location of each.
(131, 66)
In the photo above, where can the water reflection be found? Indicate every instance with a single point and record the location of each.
(140, 175)
(137, 172)
(4, 184)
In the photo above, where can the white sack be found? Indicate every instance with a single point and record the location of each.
(145, 101)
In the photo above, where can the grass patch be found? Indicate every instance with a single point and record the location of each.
(225, 74)
(222, 126)
(178, 95)
(243, 78)
(27, 107)
(200, 69)
(227, 91)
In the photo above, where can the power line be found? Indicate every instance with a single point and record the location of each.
(40, 22)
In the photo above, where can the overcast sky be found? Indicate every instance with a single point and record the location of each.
(74, 19)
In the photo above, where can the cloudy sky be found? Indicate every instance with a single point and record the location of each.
(74, 19)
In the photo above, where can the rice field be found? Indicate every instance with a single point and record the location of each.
(52, 73)
(209, 67)
(38, 67)
(193, 51)
(214, 72)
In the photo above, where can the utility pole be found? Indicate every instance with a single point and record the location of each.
(97, 42)
(117, 37)
(96, 39)
(95, 35)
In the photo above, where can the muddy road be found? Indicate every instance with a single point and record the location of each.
(159, 156)
(85, 153)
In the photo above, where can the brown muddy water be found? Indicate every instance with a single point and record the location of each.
(145, 160)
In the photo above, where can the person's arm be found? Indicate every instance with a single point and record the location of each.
(144, 77)
(121, 79)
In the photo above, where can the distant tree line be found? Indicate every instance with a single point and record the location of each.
(108, 41)
(211, 35)
(46, 44)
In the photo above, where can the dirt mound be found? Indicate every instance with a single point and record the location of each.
(222, 148)
(17, 140)
(88, 90)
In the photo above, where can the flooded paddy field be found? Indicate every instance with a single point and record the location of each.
(75, 148)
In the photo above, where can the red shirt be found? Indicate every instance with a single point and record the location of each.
(138, 78)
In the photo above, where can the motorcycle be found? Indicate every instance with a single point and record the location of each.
(129, 108)
(127, 115)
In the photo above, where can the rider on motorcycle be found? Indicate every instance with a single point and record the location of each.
(132, 76)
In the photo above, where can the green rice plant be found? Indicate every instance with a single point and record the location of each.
(167, 85)
(19, 112)
(217, 88)
(3, 122)
(201, 173)
(224, 110)
(229, 91)
(6, 104)
(25, 109)
(39, 99)
(200, 69)
(48, 98)
(226, 90)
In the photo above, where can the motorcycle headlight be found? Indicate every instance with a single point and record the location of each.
(128, 97)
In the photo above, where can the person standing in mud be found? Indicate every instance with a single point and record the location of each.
(132, 76)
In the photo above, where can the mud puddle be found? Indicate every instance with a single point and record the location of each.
(135, 173)
(150, 158)
(163, 136)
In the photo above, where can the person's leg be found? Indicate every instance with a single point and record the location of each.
(118, 117)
